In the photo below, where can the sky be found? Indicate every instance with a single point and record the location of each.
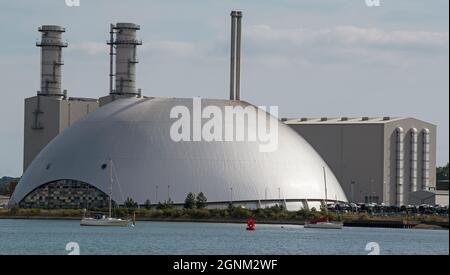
(312, 58)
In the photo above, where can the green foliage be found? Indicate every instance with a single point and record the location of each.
(323, 206)
(160, 206)
(218, 213)
(121, 212)
(189, 202)
(35, 211)
(333, 217)
(169, 203)
(240, 213)
(4, 185)
(198, 213)
(148, 205)
(260, 213)
(277, 208)
(130, 203)
(167, 211)
(363, 216)
(165, 205)
(143, 212)
(442, 172)
(14, 210)
(201, 200)
(65, 212)
(171, 213)
(157, 213)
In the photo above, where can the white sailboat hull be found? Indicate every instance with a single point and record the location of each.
(324, 225)
(104, 222)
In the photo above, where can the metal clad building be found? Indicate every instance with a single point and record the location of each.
(136, 135)
(47, 117)
(379, 160)
(390, 160)
(66, 166)
(50, 112)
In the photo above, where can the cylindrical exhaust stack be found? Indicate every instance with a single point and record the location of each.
(235, 64)
(51, 60)
(123, 47)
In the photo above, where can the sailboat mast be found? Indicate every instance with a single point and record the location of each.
(110, 188)
(326, 191)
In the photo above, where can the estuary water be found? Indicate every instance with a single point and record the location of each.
(51, 237)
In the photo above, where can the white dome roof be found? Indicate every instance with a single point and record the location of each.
(135, 134)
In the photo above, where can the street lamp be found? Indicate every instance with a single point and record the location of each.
(353, 190)
(231, 196)
(265, 198)
(168, 192)
(370, 190)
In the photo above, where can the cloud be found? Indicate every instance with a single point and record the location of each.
(351, 35)
(164, 49)
(88, 48)
(283, 47)
(289, 48)
(169, 48)
(342, 44)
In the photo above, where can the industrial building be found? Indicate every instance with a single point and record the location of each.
(126, 140)
(51, 111)
(389, 160)
(69, 141)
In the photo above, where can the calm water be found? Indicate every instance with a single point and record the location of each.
(51, 237)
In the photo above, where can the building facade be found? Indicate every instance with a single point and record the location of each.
(126, 148)
(46, 117)
(51, 111)
(376, 160)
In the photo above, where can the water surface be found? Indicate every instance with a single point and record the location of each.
(51, 237)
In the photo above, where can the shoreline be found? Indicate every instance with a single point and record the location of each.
(349, 223)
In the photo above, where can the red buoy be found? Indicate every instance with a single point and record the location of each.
(251, 224)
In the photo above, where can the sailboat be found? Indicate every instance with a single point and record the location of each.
(105, 220)
(323, 222)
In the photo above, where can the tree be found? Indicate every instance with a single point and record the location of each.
(201, 200)
(160, 206)
(130, 203)
(147, 205)
(442, 172)
(189, 202)
(165, 205)
(277, 208)
(169, 203)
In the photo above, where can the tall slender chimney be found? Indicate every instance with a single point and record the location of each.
(125, 46)
(51, 60)
(235, 63)
(238, 55)
(233, 56)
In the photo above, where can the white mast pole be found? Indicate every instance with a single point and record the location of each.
(326, 191)
(110, 188)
